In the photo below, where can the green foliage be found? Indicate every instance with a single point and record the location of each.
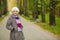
(28, 18)
(1, 18)
(2, 7)
(53, 29)
(31, 4)
(46, 4)
(46, 26)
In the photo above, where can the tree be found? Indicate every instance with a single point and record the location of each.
(18, 4)
(42, 11)
(5, 6)
(25, 7)
(21, 7)
(52, 12)
(57, 8)
(0, 8)
(35, 10)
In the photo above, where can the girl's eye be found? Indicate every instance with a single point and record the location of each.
(13, 11)
(16, 11)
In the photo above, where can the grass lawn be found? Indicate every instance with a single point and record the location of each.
(46, 26)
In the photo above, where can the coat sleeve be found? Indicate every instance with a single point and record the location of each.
(9, 23)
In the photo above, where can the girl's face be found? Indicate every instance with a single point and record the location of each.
(15, 12)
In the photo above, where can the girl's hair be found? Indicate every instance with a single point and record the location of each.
(14, 9)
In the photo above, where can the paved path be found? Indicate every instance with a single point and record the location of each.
(31, 31)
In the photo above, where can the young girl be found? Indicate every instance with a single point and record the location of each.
(14, 25)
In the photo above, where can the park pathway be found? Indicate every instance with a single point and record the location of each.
(31, 31)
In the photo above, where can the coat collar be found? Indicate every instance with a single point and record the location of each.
(13, 16)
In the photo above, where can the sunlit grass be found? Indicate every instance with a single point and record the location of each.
(3, 16)
(1, 19)
(28, 18)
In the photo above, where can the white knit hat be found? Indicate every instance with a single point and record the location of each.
(15, 9)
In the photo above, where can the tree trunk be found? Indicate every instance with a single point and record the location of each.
(26, 7)
(18, 4)
(42, 11)
(0, 9)
(35, 10)
(52, 12)
(5, 6)
(21, 7)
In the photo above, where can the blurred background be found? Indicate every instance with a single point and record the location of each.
(44, 13)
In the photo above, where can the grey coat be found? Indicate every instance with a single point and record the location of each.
(12, 26)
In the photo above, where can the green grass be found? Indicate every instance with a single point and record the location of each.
(28, 18)
(1, 18)
(46, 26)
(53, 29)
